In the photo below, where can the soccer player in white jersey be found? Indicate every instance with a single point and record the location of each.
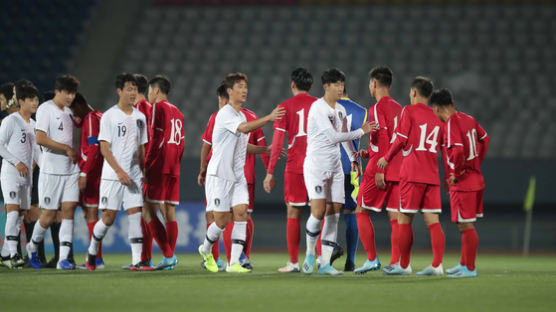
(226, 186)
(322, 168)
(122, 137)
(59, 170)
(18, 149)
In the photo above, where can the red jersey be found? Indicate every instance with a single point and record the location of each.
(420, 135)
(386, 113)
(168, 140)
(294, 124)
(147, 109)
(256, 138)
(465, 143)
(90, 158)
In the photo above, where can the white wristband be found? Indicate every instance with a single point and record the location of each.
(82, 174)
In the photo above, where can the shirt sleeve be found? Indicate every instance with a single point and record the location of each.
(402, 134)
(104, 133)
(6, 131)
(229, 121)
(207, 135)
(324, 126)
(143, 137)
(282, 123)
(42, 120)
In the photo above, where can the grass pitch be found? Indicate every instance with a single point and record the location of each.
(505, 283)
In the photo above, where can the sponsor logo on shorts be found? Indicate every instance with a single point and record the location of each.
(104, 199)
(47, 200)
(217, 202)
(12, 194)
(318, 189)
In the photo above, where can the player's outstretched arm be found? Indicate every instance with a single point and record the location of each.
(205, 149)
(255, 149)
(43, 140)
(109, 157)
(247, 127)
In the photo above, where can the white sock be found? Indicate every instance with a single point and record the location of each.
(99, 231)
(313, 230)
(11, 233)
(328, 237)
(135, 237)
(66, 238)
(37, 237)
(213, 233)
(239, 233)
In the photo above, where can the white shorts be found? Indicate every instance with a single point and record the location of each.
(222, 194)
(15, 193)
(56, 189)
(114, 195)
(327, 185)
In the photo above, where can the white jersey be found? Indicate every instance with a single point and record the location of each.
(17, 144)
(229, 146)
(326, 128)
(57, 123)
(125, 133)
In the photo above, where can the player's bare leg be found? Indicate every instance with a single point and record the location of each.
(437, 243)
(292, 238)
(12, 235)
(367, 237)
(469, 243)
(239, 235)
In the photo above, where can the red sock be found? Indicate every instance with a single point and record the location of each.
(147, 253)
(249, 237)
(471, 244)
(292, 237)
(159, 233)
(215, 248)
(405, 241)
(227, 239)
(395, 242)
(366, 234)
(318, 246)
(91, 226)
(463, 249)
(438, 243)
(172, 234)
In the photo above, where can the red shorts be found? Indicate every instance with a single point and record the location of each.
(163, 188)
(89, 197)
(373, 198)
(422, 197)
(251, 189)
(466, 206)
(295, 192)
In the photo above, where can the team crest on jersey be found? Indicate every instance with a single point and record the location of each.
(318, 189)
(217, 202)
(12, 194)
(47, 200)
(104, 199)
(139, 124)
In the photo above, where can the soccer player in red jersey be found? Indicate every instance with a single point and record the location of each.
(419, 137)
(465, 147)
(90, 163)
(162, 170)
(294, 124)
(146, 108)
(379, 187)
(206, 153)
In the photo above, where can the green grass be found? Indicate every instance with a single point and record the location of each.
(505, 283)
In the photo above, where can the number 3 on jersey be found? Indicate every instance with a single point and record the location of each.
(430, 139)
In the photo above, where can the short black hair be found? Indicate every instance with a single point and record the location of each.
(25, 89)
(142, 83)
(233, 78)
(382, 74)
(302, 78)
(423, 85)
(221, 91)
(332, 75)
(442, 97)
(162, 82)
(78, 100)
(48, 95)
(122, 78)
(7, 89)
(66, 82)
